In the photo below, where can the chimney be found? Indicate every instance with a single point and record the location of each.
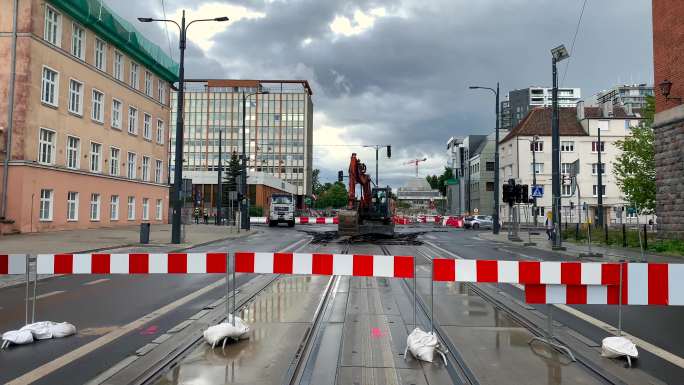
(607, 109)
(580, 110)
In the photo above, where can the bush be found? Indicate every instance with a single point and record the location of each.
(256, 211)
(670, 246)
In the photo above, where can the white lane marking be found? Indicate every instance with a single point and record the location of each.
(649, 347)
(95, 282)
(50, 294)
(520, 254)
(66, 359)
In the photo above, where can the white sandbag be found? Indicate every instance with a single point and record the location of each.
(423, 345)
(225, 330)
(40, 330)
(16, 337)
(62, 329)
(613, 347)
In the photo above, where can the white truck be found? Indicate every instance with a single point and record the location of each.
(282, 210)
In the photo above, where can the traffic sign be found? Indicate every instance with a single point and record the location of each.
(476, 211)
(537, 191)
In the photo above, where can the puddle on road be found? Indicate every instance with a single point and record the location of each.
(278, 319)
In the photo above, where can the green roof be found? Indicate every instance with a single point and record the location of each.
(94, 14)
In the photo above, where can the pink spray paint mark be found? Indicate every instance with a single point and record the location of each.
(149, 331)
(376, 333)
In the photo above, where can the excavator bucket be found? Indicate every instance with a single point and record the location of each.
(348, 223)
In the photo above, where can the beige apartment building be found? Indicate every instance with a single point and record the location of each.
(88, 143)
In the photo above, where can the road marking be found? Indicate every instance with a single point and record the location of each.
(520, 254)
(649, 347)
(95, 282)
(50, 294)
(66, 359)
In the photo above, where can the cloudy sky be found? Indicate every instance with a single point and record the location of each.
(397, 72)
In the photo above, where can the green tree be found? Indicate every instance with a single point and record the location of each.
(231, 173)
(634, 168)
(316, 185)
(433, 180)
(446, 175)
(335, 196)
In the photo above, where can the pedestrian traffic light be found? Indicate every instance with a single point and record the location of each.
(389, 151)
(507, 193)
(340, 176)
(524, 194)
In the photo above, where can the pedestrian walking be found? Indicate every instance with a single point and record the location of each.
(206, 216)
(197, 214)
(549, 227)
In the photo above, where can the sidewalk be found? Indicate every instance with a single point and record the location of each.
(574, 249)
(71, 241)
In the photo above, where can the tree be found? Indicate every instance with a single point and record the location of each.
(231, 173)
(316, 185)
(439, 182)
(433, 181)
(634, 168)
(335, 196)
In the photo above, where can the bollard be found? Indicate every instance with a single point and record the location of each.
(605, 232)
(645, 238)
(624, 235)
(577, 226)
(144, 233)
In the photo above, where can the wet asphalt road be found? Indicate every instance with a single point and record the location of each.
(97, 304)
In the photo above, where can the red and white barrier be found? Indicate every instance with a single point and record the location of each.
(12, 264)
(430, 219)
(526, 272)
(456, 222)
(357, 265)
(572, 294)
(135, 263)
(258, 220)
(316, 220)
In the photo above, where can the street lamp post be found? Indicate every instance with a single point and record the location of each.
(377, 148)
(495, 227)
(557, 54)
(178, 170)
(244, 202)
(219, 197)
(599, 202)
(534, 142)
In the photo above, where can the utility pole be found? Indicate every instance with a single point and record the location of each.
(557, 54)
(534, 177)
(377, 148)
(219, 198)
(244, 202)
(599, 208)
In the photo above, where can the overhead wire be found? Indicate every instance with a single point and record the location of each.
(572, 46)
(166, 25)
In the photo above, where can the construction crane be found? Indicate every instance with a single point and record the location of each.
(415, 162)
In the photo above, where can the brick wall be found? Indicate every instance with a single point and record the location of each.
(668, 49)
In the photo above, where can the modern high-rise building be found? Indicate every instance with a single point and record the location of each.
(523, 100)
(84, 135)
(505, 115)
(278, 127)
(630, 97)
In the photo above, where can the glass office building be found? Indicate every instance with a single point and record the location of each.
(278, 128)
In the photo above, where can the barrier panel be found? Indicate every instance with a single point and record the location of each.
(572, 294)
(11, 264)
(300, 220)
(134, 263)
(526, 272)
(356, 265)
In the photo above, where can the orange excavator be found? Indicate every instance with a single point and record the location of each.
(372, 213)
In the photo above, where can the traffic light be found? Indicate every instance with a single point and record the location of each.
(524, 194)
(389, 151)
(340, 176)
(507, 193)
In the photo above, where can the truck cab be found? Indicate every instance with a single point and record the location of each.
(282, 210)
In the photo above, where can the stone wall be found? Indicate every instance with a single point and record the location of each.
(669, 157)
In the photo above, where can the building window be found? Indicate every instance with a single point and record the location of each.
(567, 146)
(117, 70)
(72, 206)
(158, 171)
(566, 168)
(146, 168)
(145, 209)
(46, 205)
(595, 146)
(50, 87)
(75, 97)
(95, 157)
(147, 126)
(73, 152)
(94, 207)
(53, 27)
(490, 166)
(132, 120)
(135, 71)
(116, 114)
(78, 41)
(148, 83)
(595, 168)
(538, 168)
(595, 190)
(131, 165)
(114, 155)
(100, 55)
(490, 186)
(160, 131)
(161, 92)
(537, 146)
(114, 208)
(131, 208)
(158, 210)
(566, 190)
(46, 146)
(97, 111)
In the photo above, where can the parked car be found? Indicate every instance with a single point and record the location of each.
(478, 222)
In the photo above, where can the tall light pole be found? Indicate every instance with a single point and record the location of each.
(495, 216)
(599, 202)
(244, 201)
(377, 148)
(178, 163)
(534, 142)
(557, 54)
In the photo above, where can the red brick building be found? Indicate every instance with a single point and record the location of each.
(668, 58)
